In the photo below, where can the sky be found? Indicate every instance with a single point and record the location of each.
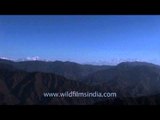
(94, 39)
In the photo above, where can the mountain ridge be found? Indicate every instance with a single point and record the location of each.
(127, 79)
(131, 80)
(68, 69)
(23, 88)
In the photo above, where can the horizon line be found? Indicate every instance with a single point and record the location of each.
(100, 63)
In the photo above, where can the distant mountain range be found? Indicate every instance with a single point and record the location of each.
(24, 82)
(68, 69)
(130, 78)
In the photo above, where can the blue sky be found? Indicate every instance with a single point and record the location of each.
(97, 39)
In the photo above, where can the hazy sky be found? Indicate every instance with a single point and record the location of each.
(84, 39)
